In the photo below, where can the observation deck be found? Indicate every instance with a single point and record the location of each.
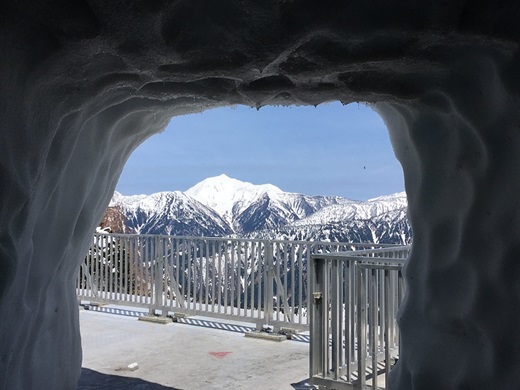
(327, 298)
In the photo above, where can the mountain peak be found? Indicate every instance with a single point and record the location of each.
(222, 192)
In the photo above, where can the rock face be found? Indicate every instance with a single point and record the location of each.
(83, 83)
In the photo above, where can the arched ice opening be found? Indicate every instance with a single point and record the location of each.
(83, 83)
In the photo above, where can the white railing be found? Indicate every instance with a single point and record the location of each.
(354, 298)
(259, 281)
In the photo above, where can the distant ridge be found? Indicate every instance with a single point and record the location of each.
(222, 206)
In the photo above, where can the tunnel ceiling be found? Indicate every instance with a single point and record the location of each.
(82, 83)
(204, 53)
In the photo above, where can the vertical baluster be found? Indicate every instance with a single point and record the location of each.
(285, 303)
(373, 324)
(387, 317)
(121, 270)
(200, 274)
(400, 295)
(168, 288)
(255, 262)
(144, 269)
(171, 267)
(154, 265)
(241, 247)
(342, 328)
(197, 253)
(101, 256)
(272, 275)
(118, 269)
(150, 270)
(193, 270)
(292, 268)
(87, 271)
(199, 270)
(96, 279)
(279, 289)
(335, 319)
(348, 304)
(264, 280)
(204, 286)
(219, 270)
(382, 308)
(234, 249)
(213, 275)
(189, 277)
(206, 275)
(300, 284)
(162, 279)
(111, 265)
(361, 326)
(182, 271)
(248, 270)
(176, 271)
(140, 264)
(129, 263)
(107, 260)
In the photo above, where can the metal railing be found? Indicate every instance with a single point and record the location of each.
(259, 281)
(354, 335)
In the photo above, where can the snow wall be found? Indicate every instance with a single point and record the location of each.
(82, 83)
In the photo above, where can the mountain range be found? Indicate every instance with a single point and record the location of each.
(222, 206)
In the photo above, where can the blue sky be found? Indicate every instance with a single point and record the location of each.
(326, 150)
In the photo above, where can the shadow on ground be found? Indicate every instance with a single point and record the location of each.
(303, 385)
(93, 380)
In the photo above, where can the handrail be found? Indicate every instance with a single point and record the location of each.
(260, 281)
(353, 316)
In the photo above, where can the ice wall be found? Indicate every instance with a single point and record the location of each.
(460, 149)
(83, 83)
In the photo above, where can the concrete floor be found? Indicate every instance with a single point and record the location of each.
(183, 356)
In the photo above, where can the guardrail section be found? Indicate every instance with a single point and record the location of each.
(354, 298)
(259, 281)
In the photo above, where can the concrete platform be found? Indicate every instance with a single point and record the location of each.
(184, 356)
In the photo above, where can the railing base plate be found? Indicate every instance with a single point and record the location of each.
(156, 319)
(266, 336)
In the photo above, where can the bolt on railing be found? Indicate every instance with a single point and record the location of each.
(356, 295)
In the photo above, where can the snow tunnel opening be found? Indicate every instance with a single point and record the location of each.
(336, 151)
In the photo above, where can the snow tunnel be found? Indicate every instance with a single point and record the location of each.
(82, 83)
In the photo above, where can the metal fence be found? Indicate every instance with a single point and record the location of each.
(354, 335)
(259, 281)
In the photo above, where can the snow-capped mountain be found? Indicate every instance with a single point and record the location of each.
(356, 210)
(221, 206)
(391, 227)
(248, 207)
(172, 213)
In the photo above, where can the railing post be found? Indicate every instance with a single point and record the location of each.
(318, 315)
(336, 317)
(268, 281)
(159, 273)
(361, 325)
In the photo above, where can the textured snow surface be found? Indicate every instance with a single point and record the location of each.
(229, 196)
(82, 84)
(172, 213)
(356, 210)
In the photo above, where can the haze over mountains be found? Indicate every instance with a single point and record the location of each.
(222, 206)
